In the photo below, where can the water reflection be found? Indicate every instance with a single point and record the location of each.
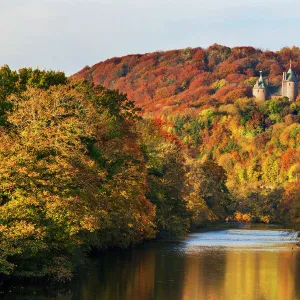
(252, 265)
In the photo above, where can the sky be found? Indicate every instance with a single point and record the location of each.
(68, 35)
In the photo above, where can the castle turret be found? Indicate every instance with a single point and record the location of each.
(290, 84)
(260, 89)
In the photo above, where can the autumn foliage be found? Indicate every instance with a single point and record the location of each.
(140, 147)
(80, 170)
(189, 79)
(204, 96)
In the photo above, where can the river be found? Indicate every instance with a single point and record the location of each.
(230, 264)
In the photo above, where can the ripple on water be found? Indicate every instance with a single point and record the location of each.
(241, 240)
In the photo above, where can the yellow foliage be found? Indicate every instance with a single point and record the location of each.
(240, 217)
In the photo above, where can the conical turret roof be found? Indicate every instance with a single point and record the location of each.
(291, 76)
(260, 84)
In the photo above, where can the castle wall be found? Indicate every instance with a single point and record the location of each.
(284, 88)
(260, 94)
(290, 90)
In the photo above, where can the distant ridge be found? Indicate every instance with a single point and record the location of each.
(191, 78)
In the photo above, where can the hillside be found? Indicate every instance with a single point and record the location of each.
(166, 82)
(204, 96)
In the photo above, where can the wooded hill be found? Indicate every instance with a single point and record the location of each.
(191, 79)
(204, 96)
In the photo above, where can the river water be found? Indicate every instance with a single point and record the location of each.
(226, 264)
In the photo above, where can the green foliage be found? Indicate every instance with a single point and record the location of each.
(290, 204)
(247, 112)
(274, 106)
(206, 193)
(17, 82)
(40, 79)
(219, 84)
(263, 204)
(116, 103)
(257, 145)
(231, 146)
(165, 178)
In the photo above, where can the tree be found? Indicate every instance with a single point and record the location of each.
(165, 177)
(291, 204)
(206, 192)
(72, 177)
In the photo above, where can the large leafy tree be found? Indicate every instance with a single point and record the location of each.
(206, 192)
(72, 177)
(164, 158)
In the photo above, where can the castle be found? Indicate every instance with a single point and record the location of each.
(260, 89)
(289, 86)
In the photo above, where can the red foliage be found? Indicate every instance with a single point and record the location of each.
(227, 68)
(180, 79)
(290, 199)
(290, 157)
(199, 54)
(269, 55)
(224, 91)
(236, 78)
(232, 96)
(205, 78)
(241, 52)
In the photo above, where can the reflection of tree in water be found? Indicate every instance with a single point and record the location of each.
(260, 275)
(204, 275)
(169, 272)
(297, 275)
(35, 290)
(120, 275)
(147, 272)
(157, 271)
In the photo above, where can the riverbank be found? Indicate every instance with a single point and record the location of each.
(232, 225)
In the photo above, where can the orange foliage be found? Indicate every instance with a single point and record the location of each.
(177, 78)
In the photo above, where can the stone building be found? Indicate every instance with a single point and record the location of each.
(290, 84)
(260, 91)
(289, 87)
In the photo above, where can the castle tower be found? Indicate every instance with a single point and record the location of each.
(260, 90)
(290, 84)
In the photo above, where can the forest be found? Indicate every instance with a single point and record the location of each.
(141, 147)
(204, 97)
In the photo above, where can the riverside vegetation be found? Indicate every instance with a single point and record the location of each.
(82, 168)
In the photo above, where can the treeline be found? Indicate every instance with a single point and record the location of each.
(192, 79)
(81, 170)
